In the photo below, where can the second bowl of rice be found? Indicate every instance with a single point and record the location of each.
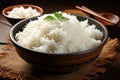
(16, 13)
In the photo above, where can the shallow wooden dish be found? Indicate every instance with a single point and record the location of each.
(15, 20)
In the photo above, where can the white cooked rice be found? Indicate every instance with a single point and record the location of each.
(21, 12)
(59, 37)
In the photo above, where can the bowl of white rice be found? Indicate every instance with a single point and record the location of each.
(15, 13)
(58, 42)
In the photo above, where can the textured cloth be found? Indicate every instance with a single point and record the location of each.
(14, 68)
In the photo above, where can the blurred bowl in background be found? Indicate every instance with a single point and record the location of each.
(13, 20)
(75, 11)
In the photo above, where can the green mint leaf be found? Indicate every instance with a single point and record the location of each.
(50, 18)
(58, 15)
(63, 19)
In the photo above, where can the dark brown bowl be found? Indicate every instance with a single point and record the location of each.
(15, 20)
(58, 62)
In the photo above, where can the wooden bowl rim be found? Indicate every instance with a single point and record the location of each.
(9, 8)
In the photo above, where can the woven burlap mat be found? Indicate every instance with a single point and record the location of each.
(12, 67)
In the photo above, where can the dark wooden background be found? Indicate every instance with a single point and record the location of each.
(113, 6)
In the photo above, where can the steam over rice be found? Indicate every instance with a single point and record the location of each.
(58, 36)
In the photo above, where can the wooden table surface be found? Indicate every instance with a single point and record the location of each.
(113, 72)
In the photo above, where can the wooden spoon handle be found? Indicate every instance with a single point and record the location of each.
(85, 9)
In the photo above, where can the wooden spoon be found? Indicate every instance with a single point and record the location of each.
(112, 17)
(102, 19)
